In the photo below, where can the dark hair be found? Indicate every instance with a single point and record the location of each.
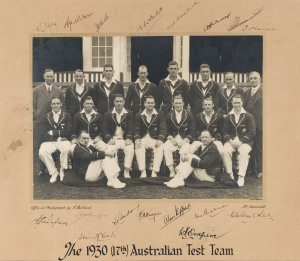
(58, 98)
(204, 65)
(48, 70)
(88, 98)
(229, 73)
(208, 99)
(108, 65)
(142, 67)
(238, 96)
(149, 97)
(178, 96)
(118, 95)
(78, 70)
(206, 131)
(82, 132)
(172, 63)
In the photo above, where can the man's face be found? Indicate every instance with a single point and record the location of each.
(108, 72)
(88, 106)
(229, 80)
(119, 103)
(84, 138)
(56, 105)
(237, 104)
(173, 70)
(149, 103)
(143, 74)
(79, 76)
(208, 106)
(205, 138)
(254, 79)
(49, 77)
(205, 72)
(178, 104)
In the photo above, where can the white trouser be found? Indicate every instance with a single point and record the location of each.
(46, 150)
(169, 148)
(148, 143)
(128, 151)
(100, 146)
(243, 158)
(100, 168)
(185, 169)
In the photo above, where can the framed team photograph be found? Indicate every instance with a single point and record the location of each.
(147, 117)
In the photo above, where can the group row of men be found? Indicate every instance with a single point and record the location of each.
(98, 121)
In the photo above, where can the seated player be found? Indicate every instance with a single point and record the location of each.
(91, 121)
(205, 163)
(223, 99)
(150, 133)
(118, 128)
(180, 132)
(55, 129)
(209, 120)
(239, 132)
(92, 164)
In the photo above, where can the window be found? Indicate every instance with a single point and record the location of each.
(102, 51)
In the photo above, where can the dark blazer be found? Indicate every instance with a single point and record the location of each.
(60, 129)
(94, 127)
(254, 105)
(165, 96)
(223, 102)
(74, 100)
(42, 100)
(133, 100)
(197, 95)
(102, 102)
(157, 127)
(215, 126)
(186, 127)
(210, 159)
(110, 124)
(83, 156)
(244, 129)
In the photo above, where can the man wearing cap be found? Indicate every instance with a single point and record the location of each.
(223, 99)
(118, 130)
(137, 92)
(150, 133)
(76, 93)
(180, 132)
(202, 88)
(106, 90)
(172, 86)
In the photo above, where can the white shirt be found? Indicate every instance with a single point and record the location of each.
(149, 117)
(237, 116)
(254, 90)
(108, 84)
(208, 117)
(204, 83)
(178, 116)
(173, 82)
(141, 86)
(89, 115)
(79, 88)
(228, 91)
(56, 115)
(119, 132)
(49, 87)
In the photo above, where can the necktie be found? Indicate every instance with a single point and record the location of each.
(252, 92)
(49, 90)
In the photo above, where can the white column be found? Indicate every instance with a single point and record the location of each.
(117, 56)
(177, 50)
(87, 53)
(186, 58)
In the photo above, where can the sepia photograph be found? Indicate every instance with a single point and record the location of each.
(147, 117)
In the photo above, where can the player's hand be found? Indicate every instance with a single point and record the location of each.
(110, 154)
(74, 141)
(173, 141)
(97, 139)
(128, 142)
(184, 157)
(138, 144)
(111, 142)
(233, 144)
(158, 144)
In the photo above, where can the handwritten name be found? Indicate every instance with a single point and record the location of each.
(249, 216)
(212, 212)
(150, 19)
(102, 236)
(180, 16)
(257, 28)
(48, 220)
(85, 215)
(147, 215)
(101, 22)
(42, 27)
(214, 22)
(179, 212)
(120, 219)
(78, 19)
(236, 22)
(191, 233)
